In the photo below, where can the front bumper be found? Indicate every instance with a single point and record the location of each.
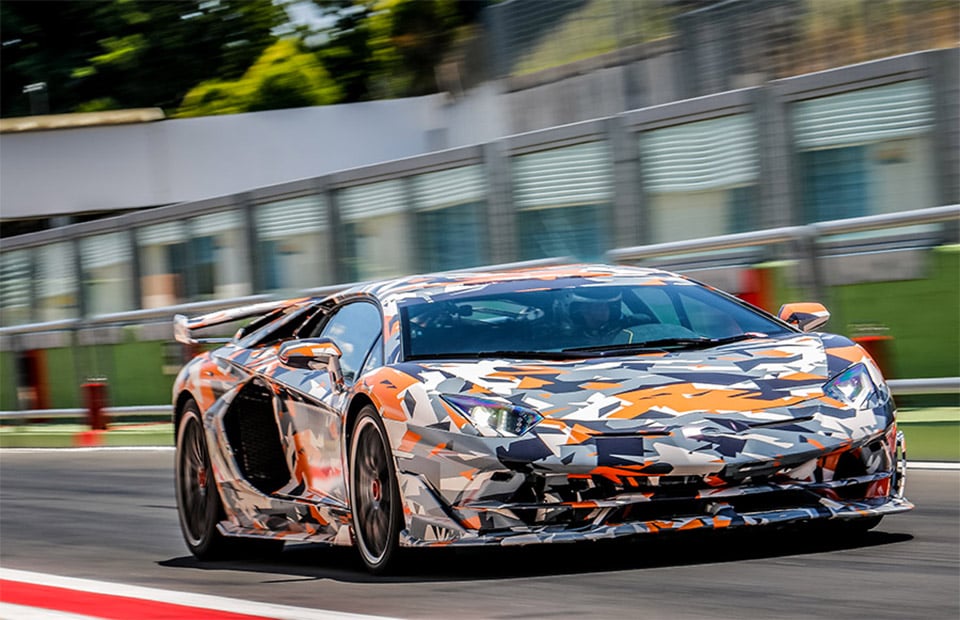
(861, 482)
(624, 516)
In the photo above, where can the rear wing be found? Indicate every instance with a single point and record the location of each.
(184, 327)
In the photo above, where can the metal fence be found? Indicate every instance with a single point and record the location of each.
(723, 43)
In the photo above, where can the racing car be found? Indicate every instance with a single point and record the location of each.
(524, 406)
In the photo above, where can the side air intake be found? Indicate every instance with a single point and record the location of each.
(253, 434)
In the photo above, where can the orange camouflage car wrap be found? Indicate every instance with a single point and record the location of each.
(768, 428)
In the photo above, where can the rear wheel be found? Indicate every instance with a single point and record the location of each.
(374, 494)
(198, 502)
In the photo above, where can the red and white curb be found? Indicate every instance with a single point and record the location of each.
(39, 596)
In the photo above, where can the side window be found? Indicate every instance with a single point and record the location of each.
(354, 327)
(375, 359)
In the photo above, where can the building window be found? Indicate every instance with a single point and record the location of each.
(292, 238)
(563, 198)
(107, 273)
(866, 152)
(15, 278)
(56, 282)
(449, 218)
(700, 178)
(219, 257)
(376, 236)
(163, 264)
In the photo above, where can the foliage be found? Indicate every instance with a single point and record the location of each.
(346, 52)
(285, 76)
(220, 56)
(138, 53)
(391, 48)
(408, 39)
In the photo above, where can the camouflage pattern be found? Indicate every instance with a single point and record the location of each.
(735, 435)
(805, 316)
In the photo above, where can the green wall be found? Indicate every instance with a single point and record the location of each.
(62, 383)
(921, 317)
(8, 381)
(134, 373)
(137, 377)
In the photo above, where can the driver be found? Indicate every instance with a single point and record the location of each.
(595, 312)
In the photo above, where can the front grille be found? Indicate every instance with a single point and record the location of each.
(690, 507)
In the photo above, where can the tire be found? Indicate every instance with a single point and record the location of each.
(374, 495)
(198, 502)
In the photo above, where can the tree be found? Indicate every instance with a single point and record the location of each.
(127, 53)
(285, 76)
(44, 43)
(409, 38)
(346, 52)
(391, 48)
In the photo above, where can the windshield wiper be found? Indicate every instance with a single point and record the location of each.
(697, 342)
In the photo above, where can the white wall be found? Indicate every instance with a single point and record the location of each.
(44, 173)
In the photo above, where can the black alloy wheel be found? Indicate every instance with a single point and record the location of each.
(198, 501)
(374, 494)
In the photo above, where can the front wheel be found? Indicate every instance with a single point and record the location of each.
(198, 501)
(374, 494)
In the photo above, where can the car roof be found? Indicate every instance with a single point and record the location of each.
(395, 290)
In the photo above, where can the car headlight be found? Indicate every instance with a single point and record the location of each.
(494, 418)
(855, 387)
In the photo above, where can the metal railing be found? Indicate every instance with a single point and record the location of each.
(899, 387)
(806, 238)
(79, 413)
(787, 234)
(167, 313)
(913, 387)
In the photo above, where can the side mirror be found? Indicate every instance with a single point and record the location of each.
(804, 316)
(314, 354)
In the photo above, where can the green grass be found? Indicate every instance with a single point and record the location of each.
(932, 433)
(79, 435)
(932, 441)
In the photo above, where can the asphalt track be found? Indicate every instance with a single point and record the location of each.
(110, 515)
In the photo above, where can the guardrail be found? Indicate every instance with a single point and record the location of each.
(910, 387)
(900, 387)
(202, 307)
(805, 239)
(787, 234)
(79, 413)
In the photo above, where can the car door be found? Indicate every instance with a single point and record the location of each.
(311, 408)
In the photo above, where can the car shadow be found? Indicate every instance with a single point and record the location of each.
(308, 562)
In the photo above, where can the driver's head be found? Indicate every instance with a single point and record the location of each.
(594, 308)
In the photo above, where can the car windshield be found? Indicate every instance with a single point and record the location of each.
(577, 320)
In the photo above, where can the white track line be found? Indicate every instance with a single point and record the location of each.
(20, 612)
(932, 465)
(187, 599)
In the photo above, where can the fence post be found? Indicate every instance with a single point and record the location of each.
(95, 398)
